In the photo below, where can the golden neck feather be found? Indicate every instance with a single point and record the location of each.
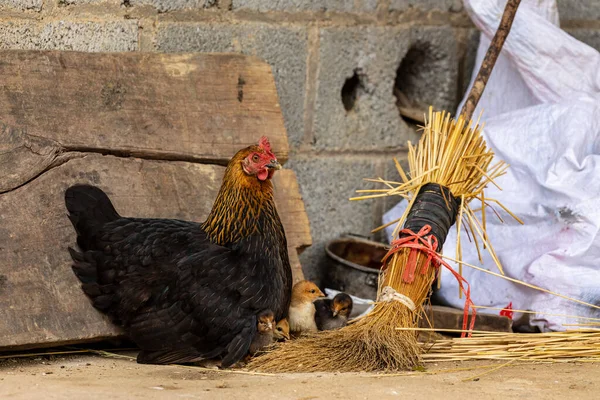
(238, 207)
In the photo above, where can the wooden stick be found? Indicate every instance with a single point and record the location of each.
(490, 59)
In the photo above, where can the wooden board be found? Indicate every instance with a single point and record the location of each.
(190, 107)
(41, 302)
(452, 318)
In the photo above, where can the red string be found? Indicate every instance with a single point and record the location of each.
(507, 311)
(419, 242)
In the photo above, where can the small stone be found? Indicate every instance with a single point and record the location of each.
(221, 385)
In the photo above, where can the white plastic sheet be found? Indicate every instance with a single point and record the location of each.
(541, 108)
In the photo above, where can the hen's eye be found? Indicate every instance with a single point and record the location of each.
(279, 329)
(313, 291)
(255, 158)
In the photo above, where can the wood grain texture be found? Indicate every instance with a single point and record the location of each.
(41, 302)
(190, 107)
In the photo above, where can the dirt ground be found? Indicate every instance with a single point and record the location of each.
(96, 377)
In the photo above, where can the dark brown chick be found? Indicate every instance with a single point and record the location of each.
(333, 314)
(282, 330)
(301, 316)
(264, 331)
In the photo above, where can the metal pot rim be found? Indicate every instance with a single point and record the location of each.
(348, 238)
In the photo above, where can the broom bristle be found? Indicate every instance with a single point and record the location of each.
(370, 344)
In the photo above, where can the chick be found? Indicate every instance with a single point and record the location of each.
(333, 314)
(264, 332)
(282, 330)
(301, 316)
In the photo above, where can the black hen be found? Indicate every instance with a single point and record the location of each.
(185, 291)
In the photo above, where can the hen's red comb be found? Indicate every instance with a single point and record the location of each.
(264, 144)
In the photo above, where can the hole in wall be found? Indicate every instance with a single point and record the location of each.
(411, 85)
(350, 91)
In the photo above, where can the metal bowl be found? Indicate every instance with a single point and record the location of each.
(354, 265)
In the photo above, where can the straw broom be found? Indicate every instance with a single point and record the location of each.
(449, 167)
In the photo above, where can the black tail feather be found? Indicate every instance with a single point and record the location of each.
(89, 209)
(86, 270)
(239, 346)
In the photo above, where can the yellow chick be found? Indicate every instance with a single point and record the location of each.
(301, 316)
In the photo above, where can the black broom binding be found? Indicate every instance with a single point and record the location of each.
(434, 206)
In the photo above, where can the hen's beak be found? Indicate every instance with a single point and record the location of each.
(286, 336)
(270, 326)
(335, 313)
(274, 164)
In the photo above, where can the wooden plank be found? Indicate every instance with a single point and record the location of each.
(452, 318)
(41, 302)
(190, 107)
(287, 193)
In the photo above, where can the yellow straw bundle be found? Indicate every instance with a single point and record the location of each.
(571, 345)
(455, 155)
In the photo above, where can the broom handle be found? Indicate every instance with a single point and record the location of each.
(490, 59)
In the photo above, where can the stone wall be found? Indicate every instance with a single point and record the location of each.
(336, 64)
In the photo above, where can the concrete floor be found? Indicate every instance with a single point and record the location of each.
(96, 377)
